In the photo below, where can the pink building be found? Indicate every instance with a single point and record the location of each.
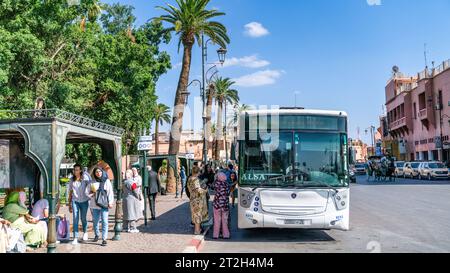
(418, 114)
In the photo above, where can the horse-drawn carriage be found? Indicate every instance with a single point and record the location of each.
(381, 168)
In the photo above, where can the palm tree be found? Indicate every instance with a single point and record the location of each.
(210, 93)
(93, 10)
(223, 94)
(191, 21)
(161, 114)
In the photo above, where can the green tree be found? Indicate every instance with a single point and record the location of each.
(50, 49)
(190, 21)
(223, 94)
(161, 114)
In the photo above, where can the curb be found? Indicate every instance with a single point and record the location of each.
(196, 243)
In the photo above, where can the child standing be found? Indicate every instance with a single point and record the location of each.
(221, 206)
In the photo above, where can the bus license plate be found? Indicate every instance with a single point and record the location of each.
(294, 222)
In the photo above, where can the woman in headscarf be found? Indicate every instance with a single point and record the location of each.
(132, 210)
(15, 211)
(199, 208)
(221, 205)
(100, 181)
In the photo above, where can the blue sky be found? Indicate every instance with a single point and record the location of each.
(336, 54)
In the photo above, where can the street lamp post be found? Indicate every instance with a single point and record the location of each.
(225, 133)
(372, 128)
(221, 53)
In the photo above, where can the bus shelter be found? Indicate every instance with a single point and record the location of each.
(32, 145)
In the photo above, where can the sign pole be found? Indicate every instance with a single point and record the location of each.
(145, 144)
(145, 178)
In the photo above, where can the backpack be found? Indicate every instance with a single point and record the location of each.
(101, 197)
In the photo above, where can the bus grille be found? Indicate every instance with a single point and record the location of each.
(294, 211)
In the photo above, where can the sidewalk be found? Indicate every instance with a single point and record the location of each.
(169, 233)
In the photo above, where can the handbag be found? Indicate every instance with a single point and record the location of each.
(101, 197)
(63, 230)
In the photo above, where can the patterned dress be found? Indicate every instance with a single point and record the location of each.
(199, 208)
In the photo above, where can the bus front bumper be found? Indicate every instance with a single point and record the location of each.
(252, 219)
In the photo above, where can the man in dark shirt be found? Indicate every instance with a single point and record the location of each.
(154, 187)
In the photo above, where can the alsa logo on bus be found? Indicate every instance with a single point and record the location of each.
(253, 177)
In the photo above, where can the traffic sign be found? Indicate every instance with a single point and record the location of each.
(145, 143)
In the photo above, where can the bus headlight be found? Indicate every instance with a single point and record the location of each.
(340, 199)
(246, 198)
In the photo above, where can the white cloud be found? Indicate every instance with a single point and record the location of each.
(374, 2)
(260, 78)
(248, 61)
(255, 30)
(177, 65)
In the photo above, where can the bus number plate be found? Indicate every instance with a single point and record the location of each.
(294, 222)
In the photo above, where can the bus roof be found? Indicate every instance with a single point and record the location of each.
(297, 112)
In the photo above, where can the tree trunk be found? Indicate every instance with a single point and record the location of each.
(218, 130)
(209, 103)
(178, 111)
(157, 137)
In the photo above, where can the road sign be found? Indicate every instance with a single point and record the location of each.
(145, 143)
(190, 156)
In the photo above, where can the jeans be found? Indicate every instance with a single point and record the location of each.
(79, 211)
(103, 214)
(183, 186)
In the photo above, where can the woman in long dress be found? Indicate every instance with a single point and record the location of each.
(132, 210)
(199, 208)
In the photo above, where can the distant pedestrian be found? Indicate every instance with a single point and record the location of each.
(233, 187)
(132, 209)
(199, 211)
(79, 201)
(154, 187)
(100, 187)
(183, 180)
(221, 206)
(138, 180)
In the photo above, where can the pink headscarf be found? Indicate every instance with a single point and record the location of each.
(221, 177)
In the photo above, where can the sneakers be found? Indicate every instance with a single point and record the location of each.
(104, 243)
(85, 236)
(95, 239)
(75, 241)
(134, 230)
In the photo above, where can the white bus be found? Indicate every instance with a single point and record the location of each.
(293, 169)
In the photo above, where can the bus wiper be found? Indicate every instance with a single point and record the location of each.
(326, 185)
(270, 180)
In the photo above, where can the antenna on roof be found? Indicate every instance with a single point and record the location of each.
(425, 55)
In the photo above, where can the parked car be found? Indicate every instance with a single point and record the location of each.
(433, 170)
(399, 168)
(360, 169)
(411, 169)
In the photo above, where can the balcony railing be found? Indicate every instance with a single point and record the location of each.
(398, 123)
(423, 113)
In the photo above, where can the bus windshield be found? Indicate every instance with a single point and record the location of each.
(298, 159)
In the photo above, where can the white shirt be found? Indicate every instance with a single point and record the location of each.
(108, 188)
(78, 189)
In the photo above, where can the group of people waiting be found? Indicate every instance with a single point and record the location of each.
(85, 192)
(223, 182)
